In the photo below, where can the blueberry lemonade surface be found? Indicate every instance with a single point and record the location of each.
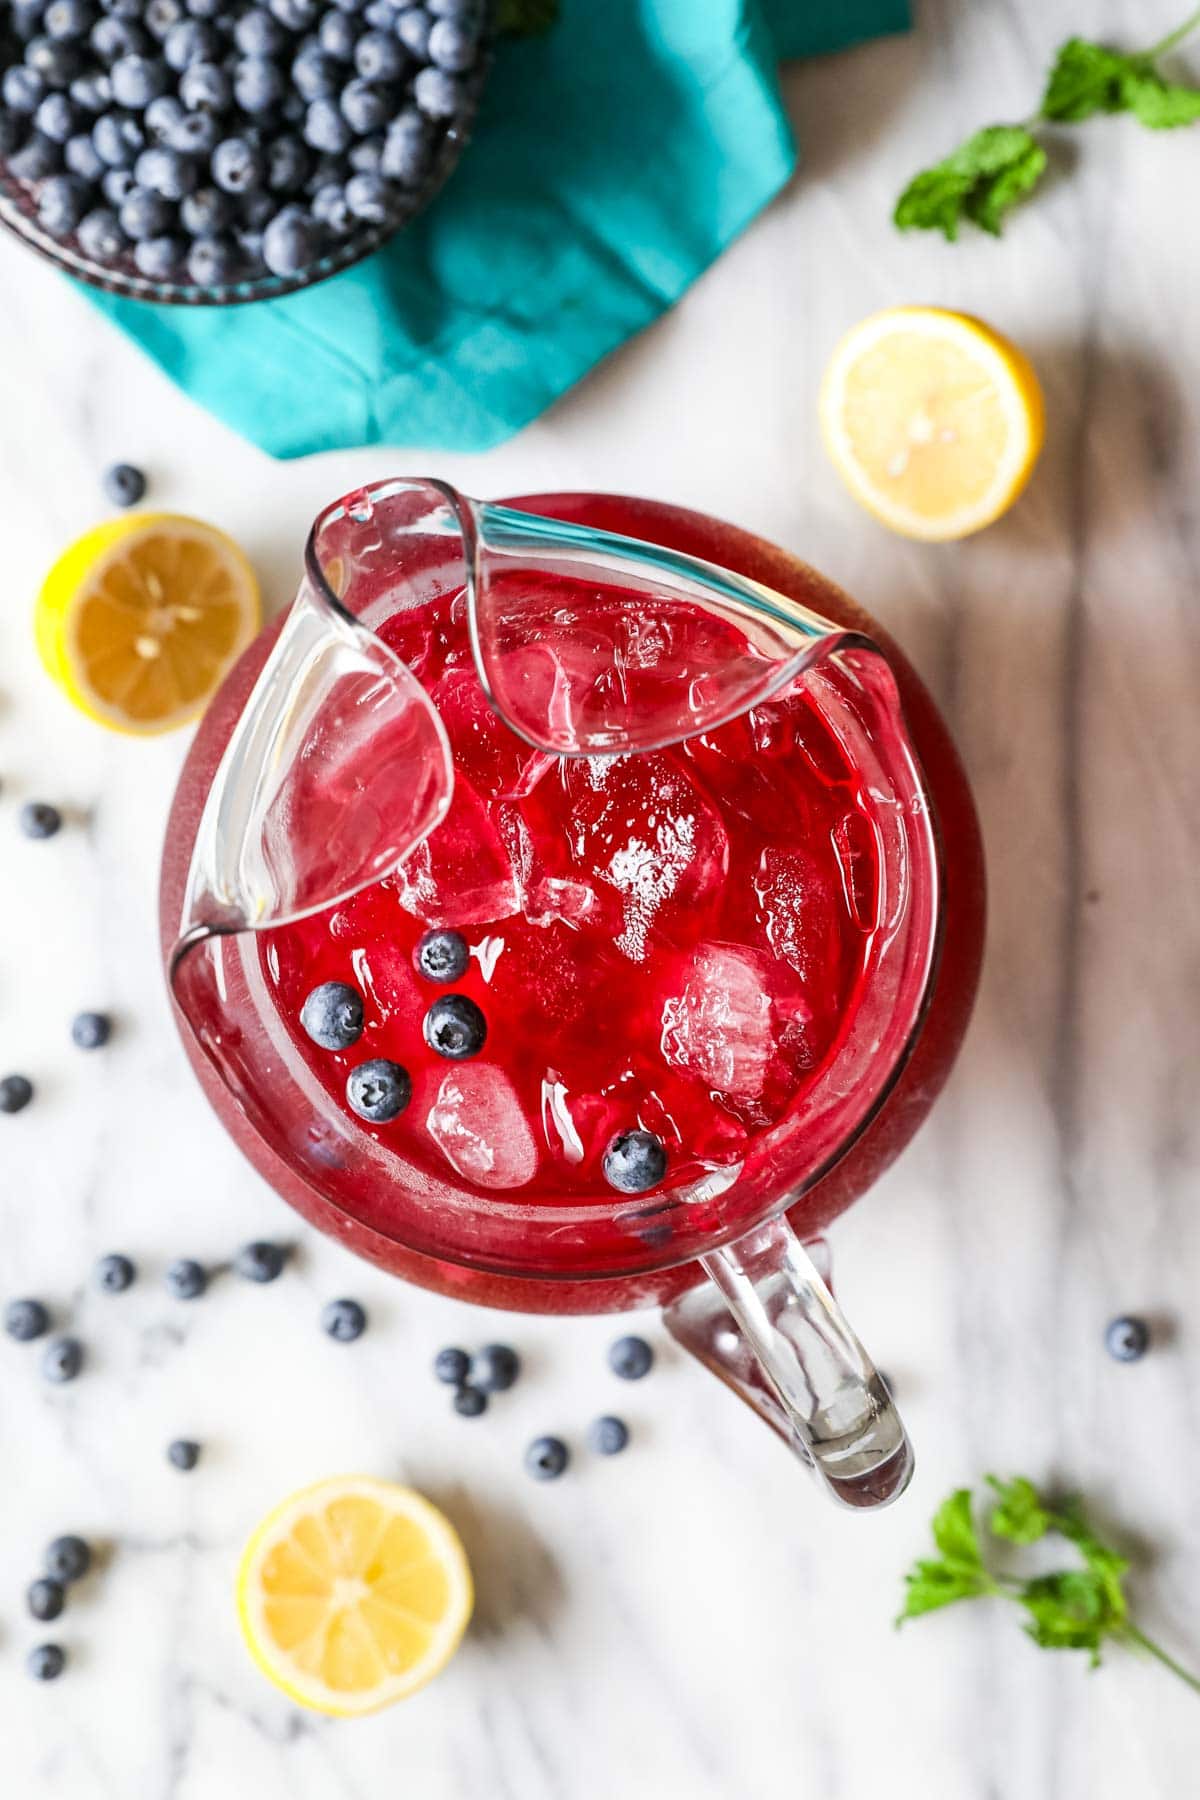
(601, 979)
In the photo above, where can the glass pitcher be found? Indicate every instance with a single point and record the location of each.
(324, 768)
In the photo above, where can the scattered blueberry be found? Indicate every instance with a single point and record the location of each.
(1127, 1339)
(40, 820)
(45, 1599)
(470, 1401)
(546, 1458)
(630, 1358)
(344, 1320)
(16, 1091)
(25, 1320)
(495, 1368)
(608, 1436)
(67, 1559)
(452, 1366)
(62, 1359)
(332, 1015)
(443, 955)
(183, 1453)
(91, 1030)
(635, 1162)
(46, 1662)
(124, 485)
(185, 1278)
(260, 1261)
(115, 1273)
(378, 1091)
(455, 1028)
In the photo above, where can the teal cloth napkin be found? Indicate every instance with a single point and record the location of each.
(612, 161)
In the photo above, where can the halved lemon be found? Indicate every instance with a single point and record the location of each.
(141, 618)
(353, 1594)
(933, 420)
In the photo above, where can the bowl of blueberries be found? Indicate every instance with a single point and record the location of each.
(204, 152)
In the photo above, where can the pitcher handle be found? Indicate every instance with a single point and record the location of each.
(769, 1327)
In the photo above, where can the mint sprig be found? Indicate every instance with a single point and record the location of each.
(1077, 1608)
(986, 176)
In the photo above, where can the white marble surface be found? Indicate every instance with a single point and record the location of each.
(692, 1623)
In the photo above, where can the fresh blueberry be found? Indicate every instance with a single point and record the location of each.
(160, 258)
(546, 1458)
(365, 108)
(332, 1015)
(185, 1278)
(145, 214)
(438, 93)
(258, 85)
(207, 211)
(329, 207)
(25, 1320)
(92, 92)
(408, 148)
(452, 1366)
(92, 1030)
(238, 165)
(366, 156)
(413, 27)
(379, 56)
(370, 199)
(315, 74)
(469, 1402)
(40, 157)
(62, 1359)
(183, 1454)
(195, 134)
(631, 1358)
(168, 172)
(61, 202)
(297, 15)
(190, 41)
(119, 139)
(380, 15)
(162, 115)
(205, 87)
(344, 1320)
(54, 59)
(213, 261)
(67, 1559)
(337, 36)
(137, 80)
(495, 1368)
(635, 1162)
(608, 1436)
(116, 185)
(112, 38)
(1127, 1339)
(454, 1026)
(378, 1091)
(292, 239)
(81, 157)
(58, 118)
(260, 1261)
(46, 1662)
(259, 33)
(68, 19)
(45, 1599)
(115, 1273)
(100, 234)
(162, 16)
(326, 128)
(288, 164)
(452, 46)
(39, 819)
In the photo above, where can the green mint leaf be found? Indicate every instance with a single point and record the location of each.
(1162, 105)
(526, 18)
(1086, 79)
(1069, 1611)
(980, 181)
(929, 1585)
(1018, 1514)
(1105, 1566)
(955, 1535)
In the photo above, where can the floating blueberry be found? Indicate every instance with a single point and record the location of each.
(332, 1015)
(378, 1091)
(185, 1279)
(183, 1453)
(344, 1320)
(452, 1366)
(546, 1458)
(443, 956)
(455, 1028)
(25, 1320)
(470, 1401)
(635, 1162)
(124, 484)
(67, 1559)
(16, 1091)
(46, 1662)
(62, 1359)
(115, 1273)
(608, 1436)
(260, 1261)
(630, 1358)
(45, 1599)
(1127, 1339)
(39, 819)
(495, 1368)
